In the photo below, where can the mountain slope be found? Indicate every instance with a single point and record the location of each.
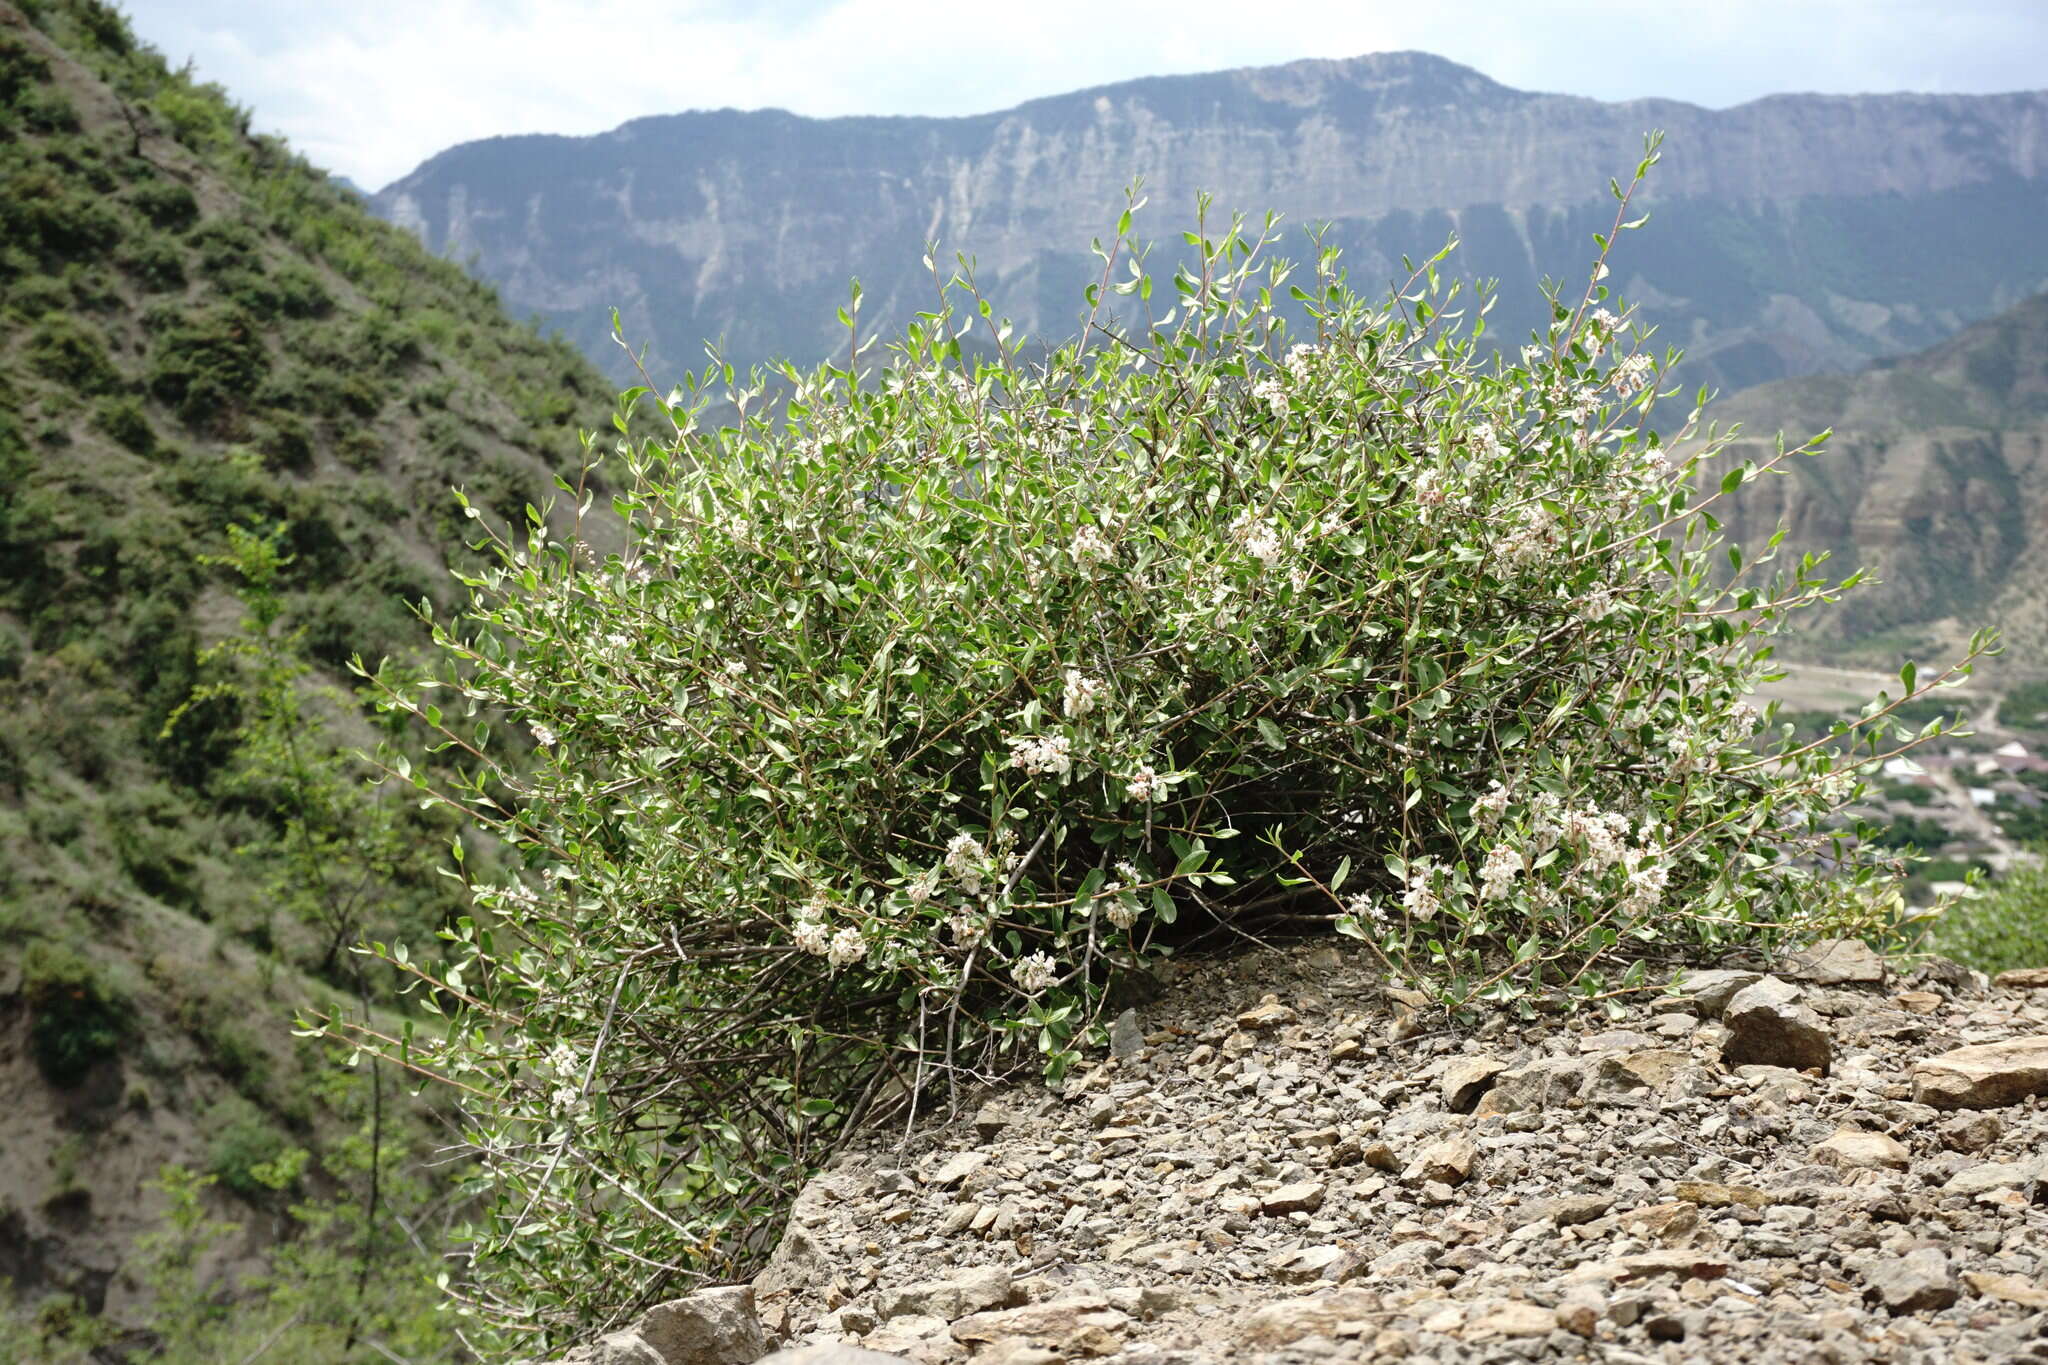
(1936, 479)
(1794, 234)
(197, 329)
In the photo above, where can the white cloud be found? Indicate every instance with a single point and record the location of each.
(372, 87)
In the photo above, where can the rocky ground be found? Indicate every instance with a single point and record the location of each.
(1284, 1161)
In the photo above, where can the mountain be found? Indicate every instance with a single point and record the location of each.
(198, 330)
(1936, 479)
(1792, 235)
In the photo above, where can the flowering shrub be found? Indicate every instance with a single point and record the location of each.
(918, 703)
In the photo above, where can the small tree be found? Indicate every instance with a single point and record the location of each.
(914, 711)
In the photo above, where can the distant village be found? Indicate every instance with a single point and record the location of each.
(1975, 801)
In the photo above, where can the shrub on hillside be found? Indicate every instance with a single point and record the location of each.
(73, 354)
(205, 363)
(2005, 926)
(917, 707)
(77, 1019)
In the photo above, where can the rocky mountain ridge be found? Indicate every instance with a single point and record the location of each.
(1795, 233)
(1936, 480)
(1285, 1161)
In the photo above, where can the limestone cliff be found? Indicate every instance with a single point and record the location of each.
(1794, 234)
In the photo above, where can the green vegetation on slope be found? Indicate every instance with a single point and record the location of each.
(198, 332)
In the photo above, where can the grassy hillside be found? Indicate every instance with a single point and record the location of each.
(198, 330)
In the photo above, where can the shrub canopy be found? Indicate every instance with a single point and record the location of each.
(925, 697)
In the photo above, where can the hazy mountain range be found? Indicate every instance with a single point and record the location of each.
(1792, 235)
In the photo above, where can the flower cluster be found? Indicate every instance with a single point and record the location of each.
(1258, 537)
(1273, 394)
(1091, 548)
(1034, 973)
(1080, 695)
(967, 860)
(1145, 784)
(1042, 754)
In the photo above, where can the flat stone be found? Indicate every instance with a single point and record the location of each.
(1919, 1280)
(1447, 1160)
(1304, 1196)
(1511, 1320)
(1126, 1037)
(831, 1355)
(1466, 1079)
(1268, 1013)
(1308, 1264)
(1710, 991)
(1291, 1320)
(1986, 1076)
(1644, 1265)
(1837, 962)
(1854, 1149)
(1997, 1175)
(1971, 1131)
(958, 1167)
(970, 1291)
(1768, 1024)
(1541, 1084)
(2023, 979)
(1565, 1210)
(1079, 1323)
(1713, 1196)
(2016, 1289)
(1615, 1040)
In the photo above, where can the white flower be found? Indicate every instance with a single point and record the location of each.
(1493, 803)
(1485, 441)
(1367, 909)
(1080, 695)
(542, 735)
(1270, 392)
(1091, 547)
(1145, 785)
(1123, 911)
(1039, 754)
(965, 859)
(1429, 488)
(1258, 537)
(1584, 404)
(1128, 871)
(811, 936)
(968, 927)
(1298, 358)
(1034, 974)
(1532, 353)
(1497, 874)
(1598, 604)
(1419, 897)
(922, 887)
(1634, 375)
(847, 947)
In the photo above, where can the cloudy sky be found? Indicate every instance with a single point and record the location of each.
(371, 88)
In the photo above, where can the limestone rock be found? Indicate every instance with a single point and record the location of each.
(1466, 1079)
(1126, 1038)
(1837, 962)
(709, 1327)
(1768, 1024)
(1855, 1149)
(1710, 991)
(1304, 1196)
(1082, 1324)
(830, 1355)
(1290, 1320)
(970, 1291)
(1984, 1076)
(1267, 1014)
(1921, 1279)
(2023, 978)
